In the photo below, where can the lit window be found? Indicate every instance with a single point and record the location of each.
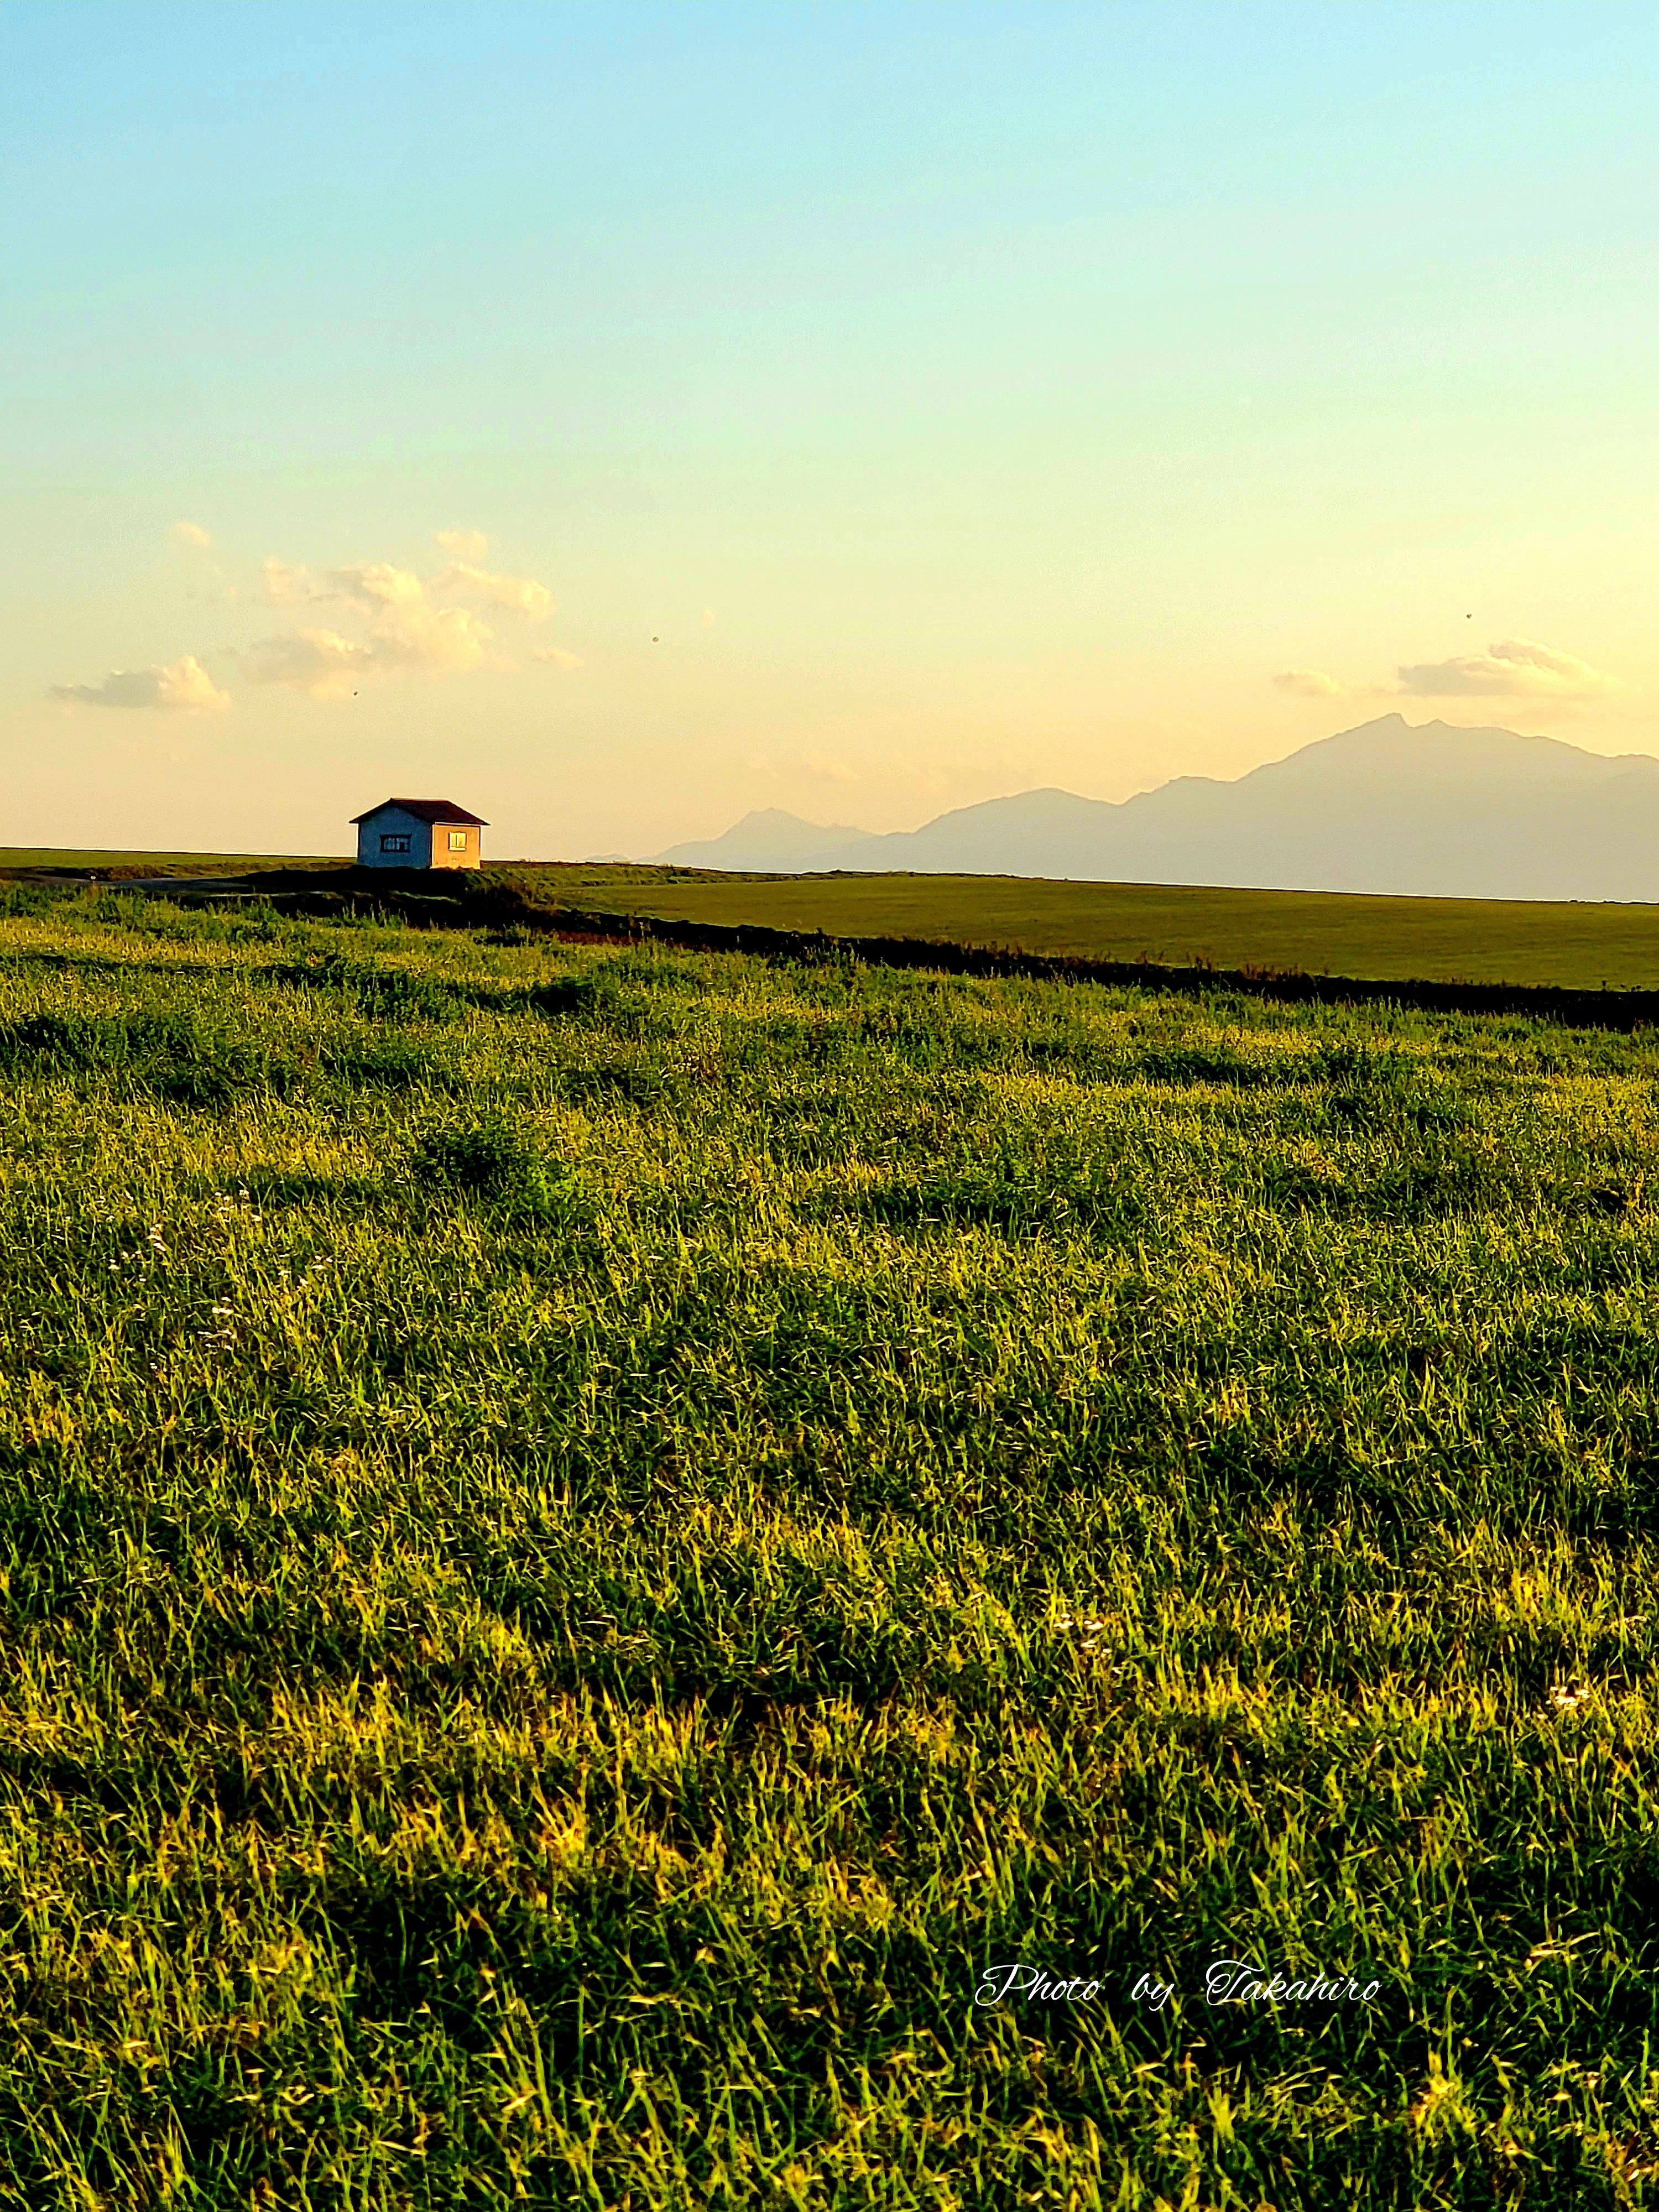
(458, 841)
(396, 844)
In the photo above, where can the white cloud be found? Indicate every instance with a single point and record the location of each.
(462, 544)
(522, 593)
(375, 584)
(319, 661)
(369, 586)
(1517, 668)
(183, 684)
(442, 641)
(556, 656)
(280, 585)
(407, 631)
(406, 636)
(1308, 683)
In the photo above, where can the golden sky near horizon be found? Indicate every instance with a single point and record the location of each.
(633, 417)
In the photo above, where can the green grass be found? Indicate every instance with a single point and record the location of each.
(1465, 940)
(78, 860)
(587, 1538)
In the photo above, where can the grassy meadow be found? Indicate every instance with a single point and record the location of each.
(25, 859)
(1582, 946)
(1323, 932)
(589, 1538)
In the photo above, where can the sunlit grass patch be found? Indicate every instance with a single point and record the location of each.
(587, 1538)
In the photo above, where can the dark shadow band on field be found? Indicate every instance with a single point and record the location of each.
(478, 902)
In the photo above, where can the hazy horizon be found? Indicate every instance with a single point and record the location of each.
(623, 419)
(1386, 807)
(1148, 790)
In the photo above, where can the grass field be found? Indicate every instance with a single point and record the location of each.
(1467, 940)
(78, 860)
(588, 1539)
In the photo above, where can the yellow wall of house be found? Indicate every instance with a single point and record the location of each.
(441, 855)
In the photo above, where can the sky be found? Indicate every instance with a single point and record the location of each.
(618, 417)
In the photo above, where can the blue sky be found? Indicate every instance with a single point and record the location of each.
(899, 405)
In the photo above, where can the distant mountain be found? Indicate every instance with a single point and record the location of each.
(1431, 809)
(773, 841)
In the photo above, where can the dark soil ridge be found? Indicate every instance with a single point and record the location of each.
(481, 900)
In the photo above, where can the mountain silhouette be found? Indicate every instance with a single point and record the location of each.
(774, 842)
(1434, 810)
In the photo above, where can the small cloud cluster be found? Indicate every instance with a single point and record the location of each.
(375, 585)
(281, 585)
(1515, 668)
(319, 661)
(409, 632)
(522, 593)
(404, 625)
(406, 632)
(183, 685)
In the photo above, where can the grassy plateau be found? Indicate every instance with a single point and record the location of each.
(594, 1544)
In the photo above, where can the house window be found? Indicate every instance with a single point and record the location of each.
(395, 844)
(458, 841)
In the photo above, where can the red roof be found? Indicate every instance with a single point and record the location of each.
(425, 810)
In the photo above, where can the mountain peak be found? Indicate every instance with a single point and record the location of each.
(774, 817)
(1431, 809)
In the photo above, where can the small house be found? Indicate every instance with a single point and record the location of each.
(419, 833)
